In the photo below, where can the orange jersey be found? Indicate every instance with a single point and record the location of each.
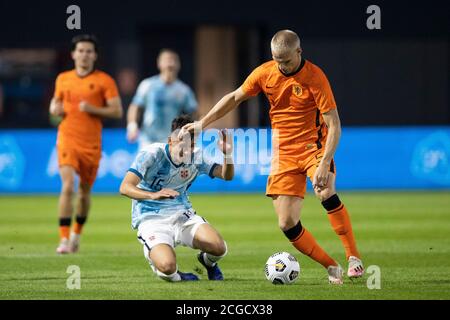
(296, 104)
(80, 128)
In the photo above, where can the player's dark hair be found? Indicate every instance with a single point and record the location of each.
(84, 38)
(180, 121)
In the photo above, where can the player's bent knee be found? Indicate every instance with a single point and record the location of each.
(218, 249)
(221, 249)
(68, 188)
(166, 267)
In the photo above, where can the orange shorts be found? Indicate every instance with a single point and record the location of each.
(84, 161)
(293, 182)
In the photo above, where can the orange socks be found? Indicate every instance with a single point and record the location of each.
(306, 244)
(64, 232)
(340, 221)
(64, 226)
(77, 228)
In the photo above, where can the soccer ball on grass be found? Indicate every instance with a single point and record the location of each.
(282, 268)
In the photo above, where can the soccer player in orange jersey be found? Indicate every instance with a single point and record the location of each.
(83, 96)
(303, 114)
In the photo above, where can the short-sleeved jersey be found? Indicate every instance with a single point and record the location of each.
(154, 166)
(77, 127)
(296, 104)
(162, 103)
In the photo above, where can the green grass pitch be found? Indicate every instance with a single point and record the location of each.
(406, 234)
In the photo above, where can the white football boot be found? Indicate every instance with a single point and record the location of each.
(335, 274)
(63, 246)
(74, 242)
(355, 267)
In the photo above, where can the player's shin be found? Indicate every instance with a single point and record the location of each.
(340, 221)
(304, 242)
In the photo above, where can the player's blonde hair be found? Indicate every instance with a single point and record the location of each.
(284, 40)
(169, 51)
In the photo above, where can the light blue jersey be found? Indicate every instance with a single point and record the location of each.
(162, 103)
(156, 169)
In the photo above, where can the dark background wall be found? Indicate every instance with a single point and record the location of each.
(398, 75)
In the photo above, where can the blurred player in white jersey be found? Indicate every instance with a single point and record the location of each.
(160, 98)
(157, 182)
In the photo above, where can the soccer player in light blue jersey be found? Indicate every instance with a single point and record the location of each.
(158, 181)
(160, 99)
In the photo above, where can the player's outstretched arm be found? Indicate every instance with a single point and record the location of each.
(129, 188)
(229, 102)
(113, 108)
(225, 171)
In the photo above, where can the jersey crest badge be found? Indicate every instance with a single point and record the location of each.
(297, 90)
(184, 173)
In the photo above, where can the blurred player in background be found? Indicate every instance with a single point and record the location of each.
(157, 182)
(83, 96)
(161, 98)
(303, 113)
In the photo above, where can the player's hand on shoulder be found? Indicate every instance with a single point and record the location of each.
(165, 194)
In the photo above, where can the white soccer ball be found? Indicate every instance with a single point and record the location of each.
(282, 268)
